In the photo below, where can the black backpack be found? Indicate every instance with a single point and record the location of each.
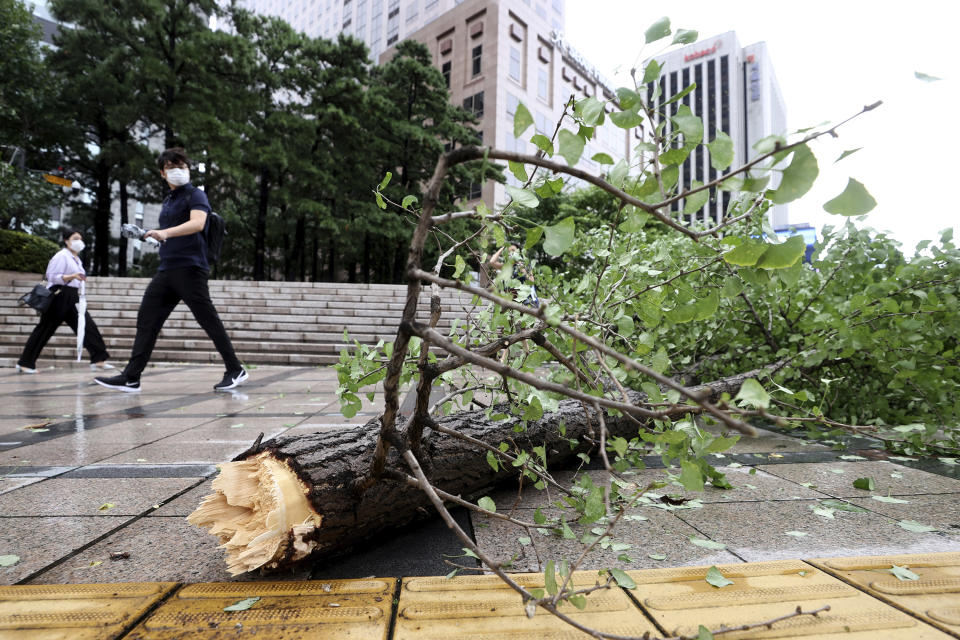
(213, 233)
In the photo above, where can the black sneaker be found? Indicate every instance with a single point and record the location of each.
(231, 379)
(119, 382)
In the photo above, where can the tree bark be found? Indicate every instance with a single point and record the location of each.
(124, 219)
(294, 497)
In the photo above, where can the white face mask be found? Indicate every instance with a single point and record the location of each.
(77, 246)
(178, 177)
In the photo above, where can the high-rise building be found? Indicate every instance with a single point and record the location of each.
(737, 93)
(494, 54)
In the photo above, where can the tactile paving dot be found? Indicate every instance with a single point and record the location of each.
(290, 610)
(934, 596)
(75, 611)
(681, 600)
(485, 608)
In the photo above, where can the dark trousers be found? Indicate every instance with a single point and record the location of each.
(163, 293)
(63, 308)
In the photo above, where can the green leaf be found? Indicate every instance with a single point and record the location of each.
(523, 197)
(721, 151)
(623, 579)
(651, 73)
(591, 111)
(570, 146)
(625, 326)
(602, 158)
(579, 601)
(848, 152)
(461, 264)
(798, 177)
(690, 477)
(543, 143)
(385, 181)
(243, 605)
(690, 125)
(486, 502)
(840, 505)
(854, 201)
(629, 99)
(521, 120)
(559, 237)
(9, 561)
(890, 500)
(533, 237)
(796, 534)
(538, 517)
(746, 253)
(867, 484)
(106, 506)
(380, 201)
(407, 201)
(919, 75)
(753, 394)
(626, 119)
(518, 170)
(717, 579)
(916, 527)
(550, 578)
(782, 256)
(902, 573)
(492, 461)
(657, 556)
(659, 29)
(708, 544)
(695, 202)
(703, 633)
(684, 36)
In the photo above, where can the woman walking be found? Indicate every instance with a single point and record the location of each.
(65, 274)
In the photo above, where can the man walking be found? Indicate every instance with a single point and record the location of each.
(182, 275)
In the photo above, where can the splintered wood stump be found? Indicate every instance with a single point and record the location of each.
(294, 497)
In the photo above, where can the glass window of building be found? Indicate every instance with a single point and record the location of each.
(476, 59)
(445, 70)
(516, 68)
(474, 104)
(543, 85)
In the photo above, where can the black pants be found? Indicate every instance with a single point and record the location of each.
(63, 308)
(163, 293)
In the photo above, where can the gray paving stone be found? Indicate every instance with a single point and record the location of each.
(836, 478)
(43, 540)
(758, 531)
(941, 510)
(86, 496)
(161, 549)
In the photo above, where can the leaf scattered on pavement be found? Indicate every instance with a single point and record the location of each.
(716, 578)
(236, 426)
(707, 544)
(890, 500)
(867, 484)
(916, 527)
(840, 505)
(797, 534)
(243, 605)
(852, 458)
(657, 556)
(106, 506)
(9, 561)
(902, 573)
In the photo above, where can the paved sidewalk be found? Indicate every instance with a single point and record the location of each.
(86, 472)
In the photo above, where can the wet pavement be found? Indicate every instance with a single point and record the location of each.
(86, 472)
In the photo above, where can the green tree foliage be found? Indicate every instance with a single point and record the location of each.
(25, 252)
(29, 125)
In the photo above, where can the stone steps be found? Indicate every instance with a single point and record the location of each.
(294, 323)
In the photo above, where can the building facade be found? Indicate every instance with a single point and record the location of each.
(737, 93)
(494, 54)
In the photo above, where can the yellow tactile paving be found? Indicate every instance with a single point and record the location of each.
(317, 610)
(484, 608)
(75, 611)
(681, 599)
(934, 597)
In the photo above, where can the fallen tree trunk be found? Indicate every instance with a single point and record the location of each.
(294, 497)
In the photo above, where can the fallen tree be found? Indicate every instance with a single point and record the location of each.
(293, 497)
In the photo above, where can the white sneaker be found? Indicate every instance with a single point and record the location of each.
(101, 366)
(25, 369)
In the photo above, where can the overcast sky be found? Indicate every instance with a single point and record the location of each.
(831, 58)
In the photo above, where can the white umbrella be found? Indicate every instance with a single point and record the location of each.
(81, 318)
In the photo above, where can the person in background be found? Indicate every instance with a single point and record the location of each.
(182, 275)
(65, 272)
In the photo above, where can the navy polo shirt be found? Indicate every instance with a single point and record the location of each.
(183, 251)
